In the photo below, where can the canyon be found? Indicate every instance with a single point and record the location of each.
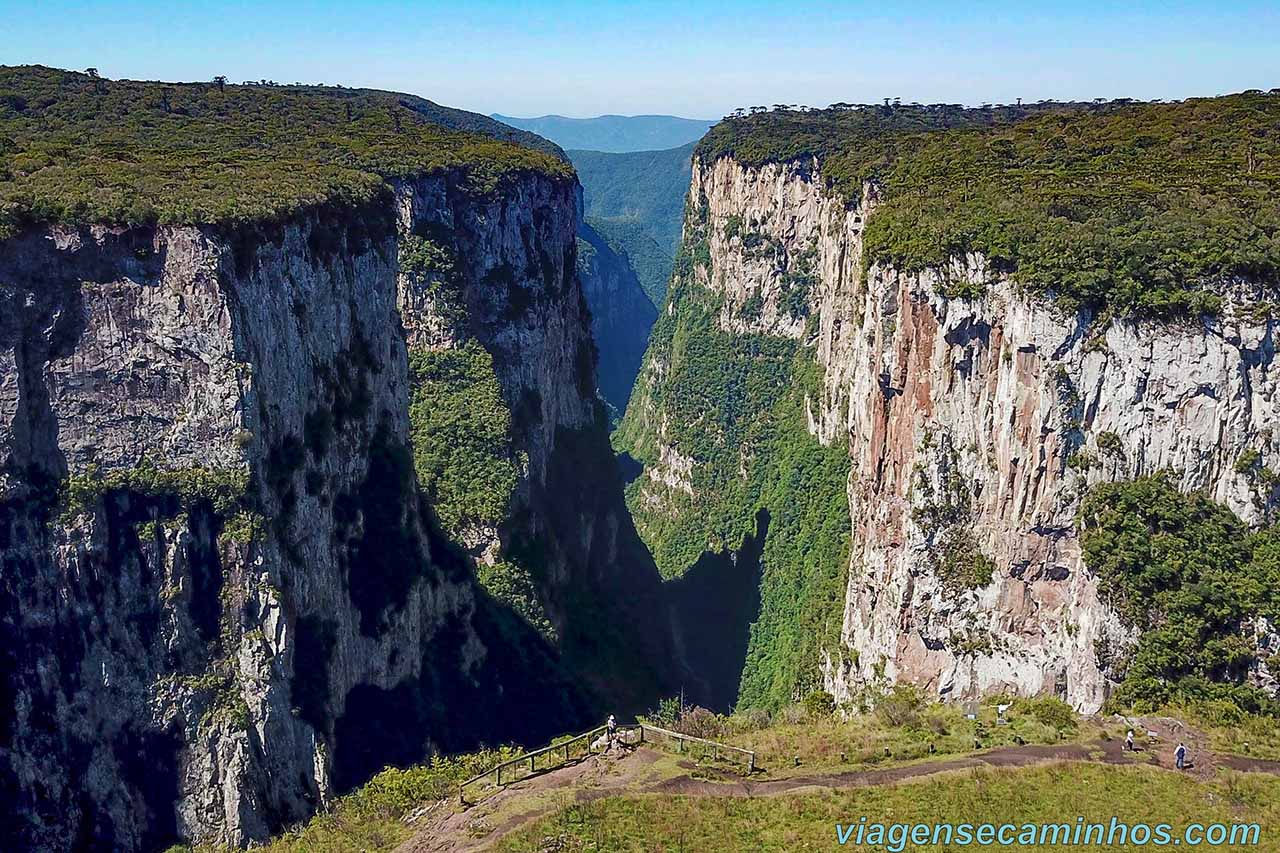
(974, 416)
(306, 465)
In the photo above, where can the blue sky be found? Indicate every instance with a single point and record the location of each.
(690, 58)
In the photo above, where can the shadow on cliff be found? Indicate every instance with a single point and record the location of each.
(713, 606)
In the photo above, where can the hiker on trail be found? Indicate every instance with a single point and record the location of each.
(611, 727)
(1180, 756)
(1128, 741)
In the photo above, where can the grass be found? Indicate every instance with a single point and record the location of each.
(901, 730)
(868, 740)
(373, 818)
(1231, 731)
(801, 822)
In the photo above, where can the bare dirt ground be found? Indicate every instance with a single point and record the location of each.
(645, 770)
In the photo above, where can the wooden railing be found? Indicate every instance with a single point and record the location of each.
(526, 764)
(579, 746)
(699, 746)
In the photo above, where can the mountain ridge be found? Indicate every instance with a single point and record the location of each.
(613, 134)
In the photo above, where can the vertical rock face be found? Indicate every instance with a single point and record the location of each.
(973, 428)
(621, 314)
(236, 603)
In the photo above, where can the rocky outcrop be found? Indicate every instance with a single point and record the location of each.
(973, 426)
(222, 599)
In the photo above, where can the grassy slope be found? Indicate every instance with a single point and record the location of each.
(1052, 794)
(1129, 206)
(76, 149)
(372, 818)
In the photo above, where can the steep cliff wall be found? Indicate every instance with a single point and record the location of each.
(972, 426)
(621, 314)
(302, 467)
(241, 605)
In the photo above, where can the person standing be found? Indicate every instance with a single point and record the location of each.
(1128, 741)
(1180, 756)
(611, 728)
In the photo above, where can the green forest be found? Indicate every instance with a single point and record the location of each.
(734, 403)
(76, 148)
(1122, 206)
(1190, 576)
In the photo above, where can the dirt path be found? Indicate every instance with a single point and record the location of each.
(504, 812)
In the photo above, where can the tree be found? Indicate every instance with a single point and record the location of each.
(221, 80)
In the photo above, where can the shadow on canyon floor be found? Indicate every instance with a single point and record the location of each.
(713, 606)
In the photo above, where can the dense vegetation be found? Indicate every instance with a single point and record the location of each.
(629, 239)
(76, 148)
(466, 462)
(733, 403)
(1191, 577)
(461, 428)
(1128, 206)
(645, 187)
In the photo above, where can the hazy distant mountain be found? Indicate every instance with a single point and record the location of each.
(614, 133)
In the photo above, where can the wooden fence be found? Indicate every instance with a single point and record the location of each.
(527, 764)
(688, 744)
(550, 757)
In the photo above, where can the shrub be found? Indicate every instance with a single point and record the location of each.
(1048, 710)
(750, 720)
(700, 722)
(667, 714)
(1110, 445)
(901, 706)
(819, 705)
(961, 565)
